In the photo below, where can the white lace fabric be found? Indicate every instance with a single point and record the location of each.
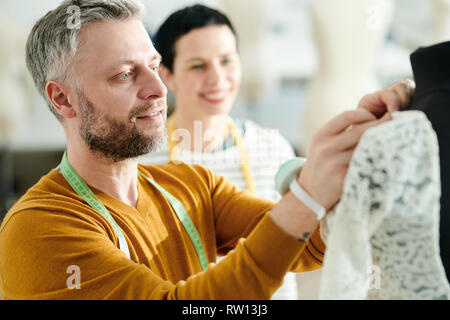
(383, 237)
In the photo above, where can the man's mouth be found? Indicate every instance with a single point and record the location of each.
(150, 115)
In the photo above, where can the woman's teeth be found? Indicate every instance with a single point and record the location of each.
(215, 96)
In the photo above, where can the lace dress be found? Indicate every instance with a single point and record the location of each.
(383, 236)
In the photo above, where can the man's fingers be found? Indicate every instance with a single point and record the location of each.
(395, 98)
(404, 90)
(346, 119)
(380, 102)
(344, 158)
(350, 138)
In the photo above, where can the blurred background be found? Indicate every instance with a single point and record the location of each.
(303, 62)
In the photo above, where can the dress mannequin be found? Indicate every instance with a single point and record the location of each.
(383, 238)
(252, 19)
(348, 35)
(440, 20)
(431, 68)
(15, 82)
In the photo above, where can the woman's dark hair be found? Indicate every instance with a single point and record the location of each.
(182, 22)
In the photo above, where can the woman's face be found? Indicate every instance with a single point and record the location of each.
(206, 71)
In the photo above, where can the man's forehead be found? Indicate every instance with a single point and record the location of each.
(117, 41)
(112, 28)
(155, 58)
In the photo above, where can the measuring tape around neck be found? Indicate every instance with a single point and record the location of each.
(82, 189)
(186, 221)
(239, 143)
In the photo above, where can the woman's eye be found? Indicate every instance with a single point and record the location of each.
(155, 69)
(227, 61)
(197, 66)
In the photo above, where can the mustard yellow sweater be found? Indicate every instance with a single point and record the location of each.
(51, 230)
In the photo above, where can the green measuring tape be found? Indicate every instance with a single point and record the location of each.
(82, 189)
(185, 221)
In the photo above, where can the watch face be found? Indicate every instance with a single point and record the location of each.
(287, 172)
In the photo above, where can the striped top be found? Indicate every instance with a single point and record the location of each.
(267, 149)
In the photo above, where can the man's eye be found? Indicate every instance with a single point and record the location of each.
(126, 76)
(227, 61)
(155, 69)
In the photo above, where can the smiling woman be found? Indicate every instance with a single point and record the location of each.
(202, 67)
(206, 74)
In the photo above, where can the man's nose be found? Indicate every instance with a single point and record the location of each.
(152, 86)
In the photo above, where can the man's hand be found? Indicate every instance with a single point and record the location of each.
(395, 98)
(329, 155)
(330, 152)
(333, 145)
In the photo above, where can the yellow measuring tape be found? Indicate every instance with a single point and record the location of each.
(239, 143)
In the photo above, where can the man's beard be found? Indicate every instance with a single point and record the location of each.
(117, 140)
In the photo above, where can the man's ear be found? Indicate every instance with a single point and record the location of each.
(58, 95)
(168, 78)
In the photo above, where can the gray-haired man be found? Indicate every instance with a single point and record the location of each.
(101, 226)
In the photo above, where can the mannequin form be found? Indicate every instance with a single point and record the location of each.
(431, 69)
(440, 20)
(383, 236)
(348, 35)
(258, 83)
(14, 81)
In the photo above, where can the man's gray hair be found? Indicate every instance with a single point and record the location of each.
(54, 39)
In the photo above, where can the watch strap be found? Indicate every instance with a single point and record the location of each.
(306, 199)
(286, 179)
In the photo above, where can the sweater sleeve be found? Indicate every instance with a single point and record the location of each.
(41, 261)
(238, 212)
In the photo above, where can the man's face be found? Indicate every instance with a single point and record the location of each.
(122, 101)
